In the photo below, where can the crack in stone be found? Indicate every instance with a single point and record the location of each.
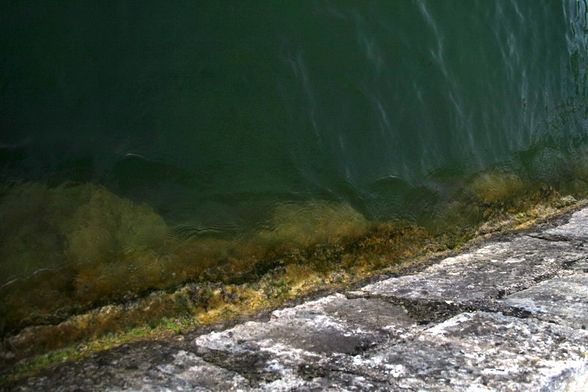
(309, 372)
(426, 311)
(567, 265)
(550, 237)
(539, 279)
(247, 364)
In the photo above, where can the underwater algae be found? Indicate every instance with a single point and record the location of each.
(77, 246)
(491, 187)
(122, 285)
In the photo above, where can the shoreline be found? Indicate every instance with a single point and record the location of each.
(499, 314)
(168, 327)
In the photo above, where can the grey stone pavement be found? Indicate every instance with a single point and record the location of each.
(508, 315)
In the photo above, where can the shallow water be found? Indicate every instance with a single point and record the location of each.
(143, 145)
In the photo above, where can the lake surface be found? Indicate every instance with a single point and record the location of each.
(157, 140)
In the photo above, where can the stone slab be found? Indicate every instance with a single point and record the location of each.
(471, 352)
(563, 300)
(332, 324)
(483, 275)
(576, 228)
(485, 351)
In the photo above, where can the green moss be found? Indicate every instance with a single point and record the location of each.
(39, 362)
(157, 329)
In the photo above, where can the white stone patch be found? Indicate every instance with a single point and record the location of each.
(576, 228)
(440, 329)
(513, 260)
(287, 383)
(562, 299)
(290, 354)
(482, 275)
(478, 388)
(199, 374)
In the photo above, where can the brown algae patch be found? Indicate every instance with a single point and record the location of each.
(496, 186)
(52, 239)
(315, 246)
(69, 249)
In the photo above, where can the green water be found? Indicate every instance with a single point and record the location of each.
(133, 128)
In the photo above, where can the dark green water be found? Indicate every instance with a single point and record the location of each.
(217, 114)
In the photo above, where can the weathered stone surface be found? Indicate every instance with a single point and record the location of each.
(116, 369)
(579, 266)
(329, 325)
(277, 352)
(576, 228)
(508, 316)
(472, 351)
(483, 275)
(563, 300)
(488, 351)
